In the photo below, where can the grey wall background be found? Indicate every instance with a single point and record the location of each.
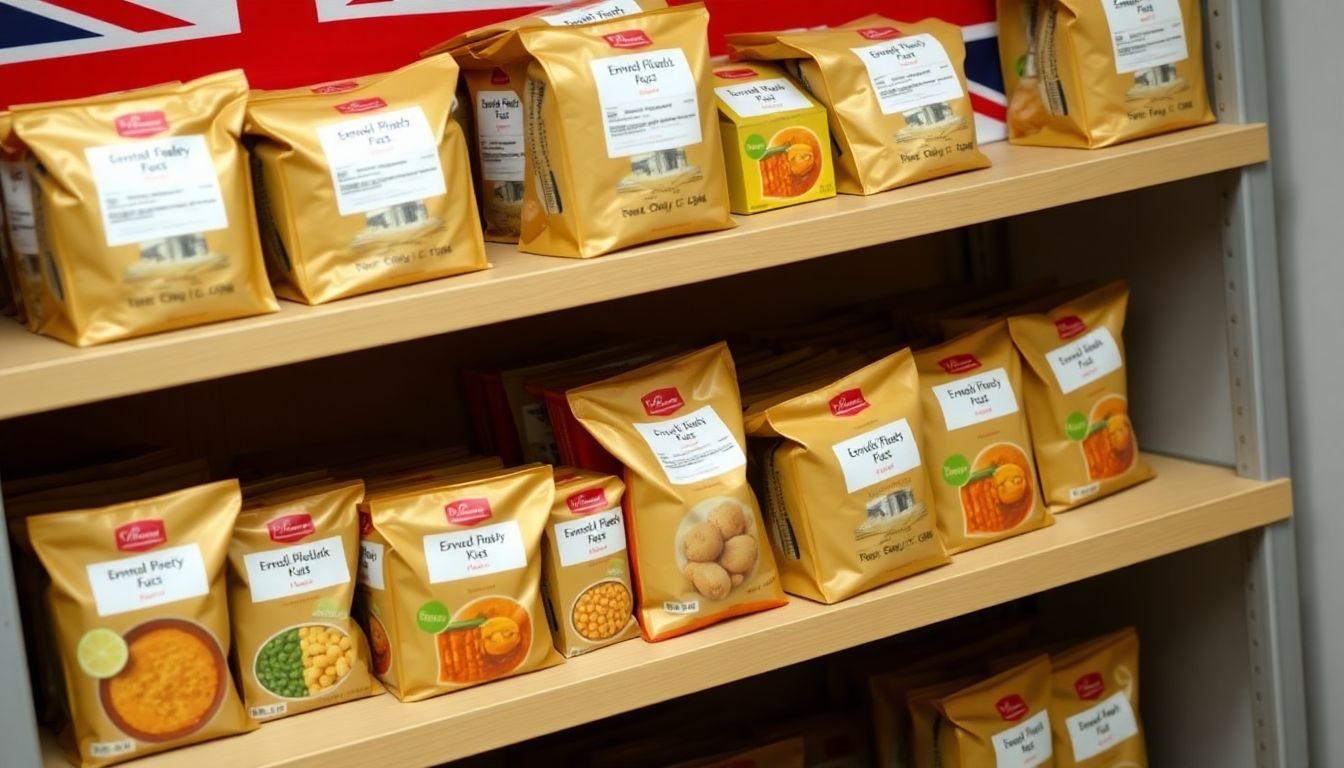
(1306, 91)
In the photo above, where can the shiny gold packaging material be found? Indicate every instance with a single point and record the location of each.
(292, 566)
(1091, 73)
(1095, 709)
(1002, 721)
(1077, 398)
(141, 616)
(450, 579)
(143, 210)
(977, 440)
(365, 184)
(622, 133)
(587, 571)
(496, 91)
(696, 535)
(931, 741)
(896, 93)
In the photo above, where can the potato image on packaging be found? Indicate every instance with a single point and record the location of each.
(487, 638)
(999, 495)
(716, 548)
(1109, 445)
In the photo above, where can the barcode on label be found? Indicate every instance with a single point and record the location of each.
(685, 606)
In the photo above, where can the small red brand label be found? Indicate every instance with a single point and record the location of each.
(141, 535)
(848, 403)
(361, 105)
(140, 124)
(365, 524)
(468, 511)
(959, 363)
(1090, 686)
(735, 74)
(290, 528)
(1012, 708)
(587, 502)
(1070, 326)
(634, 38)
(499, 77)
(341, 87)
(662, 402)
(879, 33)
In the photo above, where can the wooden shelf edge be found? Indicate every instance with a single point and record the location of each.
(39, 374)
(1187, 505)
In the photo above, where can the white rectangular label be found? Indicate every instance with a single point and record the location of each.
(481, 551)
(305, 567)
(155, 578)
(591, 537)
(1145, 33)
(1025, 744)
(267, 711)
(156, 188)
(693, 447)
(877, 455)
(910, 72)
(382, 159)
(975, 399)
(762, 97)
(589, 14)
(649, 102)
(105, 749)
(1085, 360)
(681, 607)
(17, 190)
(371, 564)
(1084, 491)
(499, 129)
(1096, 730)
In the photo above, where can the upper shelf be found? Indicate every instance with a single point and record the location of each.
(39, 374)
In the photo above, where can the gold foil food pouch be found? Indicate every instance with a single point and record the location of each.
(451, 580)
(141, 615)
(977, 440)
(847, 494)
(622, 133)
(292, 565)
(1095, 710)
(1002, 722)
(697, 541)
(143, 210)
(1077, 399)
(587, 571)
(1091, 73)
(365, 184)
(896, 94)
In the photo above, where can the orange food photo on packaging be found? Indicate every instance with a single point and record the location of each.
(487, 638)
(1109, 445)
(792, 164)
(603, 610)
(171, 684)
(999, 495)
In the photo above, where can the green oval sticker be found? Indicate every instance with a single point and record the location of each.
(956, 470)
(432, 617)
(755, 146)
(1075, 426)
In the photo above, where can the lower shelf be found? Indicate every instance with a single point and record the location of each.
(1187, 505)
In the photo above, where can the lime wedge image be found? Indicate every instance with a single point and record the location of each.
(102, 653)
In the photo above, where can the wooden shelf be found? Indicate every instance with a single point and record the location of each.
(1187, 505)
(39, 374)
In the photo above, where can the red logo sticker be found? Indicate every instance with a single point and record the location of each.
(291, 528)
(141, 535)
(341, 87)
(662, 402)
(879, 33)
(586, 502)
(735, 74)
(468, 511)
(361, 105)
(959, 363)
(848, 403)
(1012, 708)
(499, 77)
(1070, 326)
(1090, 686)
(365, 524)
(634, 38)
(140, 124)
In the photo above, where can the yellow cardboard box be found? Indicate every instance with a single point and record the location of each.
(775, 138)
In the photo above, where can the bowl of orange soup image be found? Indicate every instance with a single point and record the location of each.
(172, 684)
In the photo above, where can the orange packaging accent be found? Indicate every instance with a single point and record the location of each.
(847, 494)
(1082, 73)
(1077, 398)
(450, 580)
(977, 440)
(1002, 722)
(142, 622)
(1095, 711)
(695, 530)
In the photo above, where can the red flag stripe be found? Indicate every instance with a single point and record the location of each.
(127, 15)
